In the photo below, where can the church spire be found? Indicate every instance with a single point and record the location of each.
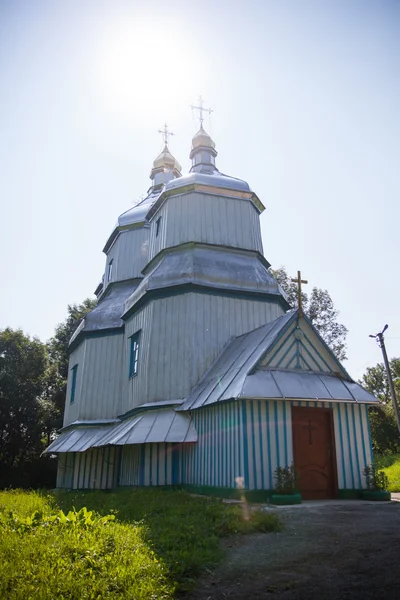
(203, 150)
(165, 166)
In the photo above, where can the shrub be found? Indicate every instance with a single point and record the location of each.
(390, 464)
(375, 480)
(285, 480)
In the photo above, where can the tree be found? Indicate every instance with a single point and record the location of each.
(58, 344)
(23, 366)
(320, 309)
(33, 381)
(384, 433)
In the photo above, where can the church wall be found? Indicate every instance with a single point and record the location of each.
(101, 382)
(149, 465)
(218, 457)
(99, 379)
(94, 469)
(129, 254)
(181, 337)
(249, 439)
(209, 219)
(77, 357)
(135, 390)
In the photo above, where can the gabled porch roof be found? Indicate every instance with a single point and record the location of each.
(237, 373)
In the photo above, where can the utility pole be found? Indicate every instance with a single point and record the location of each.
(381, 343)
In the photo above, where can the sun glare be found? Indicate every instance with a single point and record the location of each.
(145, 73)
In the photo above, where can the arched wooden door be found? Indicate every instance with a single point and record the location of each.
(314, 452)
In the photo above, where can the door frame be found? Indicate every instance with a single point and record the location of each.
(329, 412)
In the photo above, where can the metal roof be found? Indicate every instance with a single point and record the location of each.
(107, 313)
(202, 265)
(214, 179)
(79, 439)
(133, 216)
(275, 383)
(152, 426)
(232, 376)
(225, 379)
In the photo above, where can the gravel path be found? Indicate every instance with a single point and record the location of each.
(347, 550)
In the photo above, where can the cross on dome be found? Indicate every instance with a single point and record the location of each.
(201, 109)
(165, 133)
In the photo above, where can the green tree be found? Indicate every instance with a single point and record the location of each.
(384, 433)
(320, 309)
(23, 368)
(58, 344)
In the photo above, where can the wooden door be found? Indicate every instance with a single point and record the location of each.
(314, 452)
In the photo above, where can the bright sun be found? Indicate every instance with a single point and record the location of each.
(145, 72)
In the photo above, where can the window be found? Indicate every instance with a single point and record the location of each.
(73, 384)
(109, 271)
(134, 356)
(158, 223)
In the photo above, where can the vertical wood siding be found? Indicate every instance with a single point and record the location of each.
(149, 465)
(135, 389)
(98, 381)
(181, 337)
(129, 254)
(218, 457)
(238, 442)
(307, 353)
(77, 357)
(251, 438)
(210, 219)
(94, 469)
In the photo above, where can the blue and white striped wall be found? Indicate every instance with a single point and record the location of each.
(96, 468)
(149, 465)
(250, 438)
(240, 444)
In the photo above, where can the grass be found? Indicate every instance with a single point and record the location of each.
(159, 542)
(390, 464)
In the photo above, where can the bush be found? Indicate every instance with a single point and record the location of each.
(285, 480)
(375, 480)
(390, 464)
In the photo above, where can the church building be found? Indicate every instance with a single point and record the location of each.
(193, 370)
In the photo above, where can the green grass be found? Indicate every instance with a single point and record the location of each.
(159, 543)
(390, 464)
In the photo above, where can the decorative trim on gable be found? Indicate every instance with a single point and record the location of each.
(296, 349)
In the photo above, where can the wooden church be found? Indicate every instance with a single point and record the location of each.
(193, 370)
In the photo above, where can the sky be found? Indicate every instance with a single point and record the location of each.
(305, 98)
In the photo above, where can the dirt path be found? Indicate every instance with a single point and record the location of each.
(348, 550)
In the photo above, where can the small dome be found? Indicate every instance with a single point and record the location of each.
(202, 139)
(165, 159)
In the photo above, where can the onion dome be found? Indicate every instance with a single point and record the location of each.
(165, 159)
(202, 139)
(165, 168)
(203, 152)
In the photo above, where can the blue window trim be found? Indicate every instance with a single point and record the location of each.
(134, 354)
(109, 269)
(73, 383)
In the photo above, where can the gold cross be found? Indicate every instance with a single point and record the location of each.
(201, 109)
(299, 281)
(165, 133)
